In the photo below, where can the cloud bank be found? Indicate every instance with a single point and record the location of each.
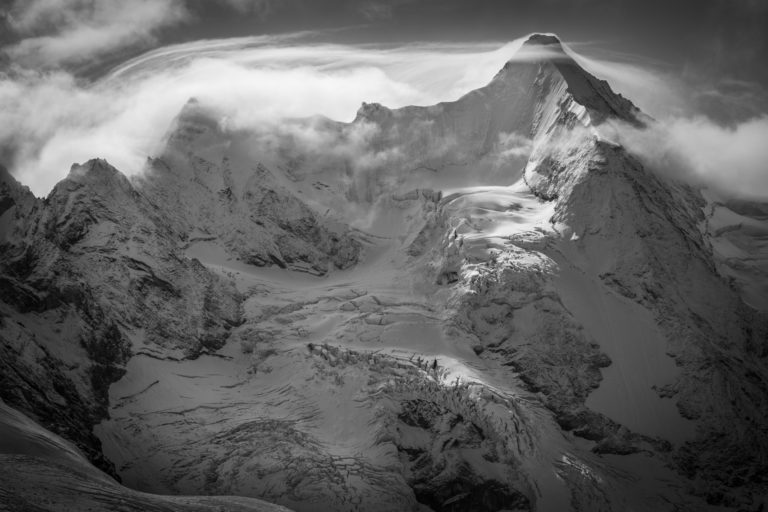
(73, 31)
(732, 160)
(49, 119)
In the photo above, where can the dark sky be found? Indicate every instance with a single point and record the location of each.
(699, 64)
(718, 38)
(722, 39)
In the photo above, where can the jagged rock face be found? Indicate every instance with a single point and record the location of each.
(91, 275)
(436, 429)
(556, 332)
(41, 471)
(525, 99)
(626, 225)
(202, 184)
(736, 230)
(12, 192)
(629, 223)
(96, 241)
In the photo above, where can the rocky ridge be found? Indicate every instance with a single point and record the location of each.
(459, 350)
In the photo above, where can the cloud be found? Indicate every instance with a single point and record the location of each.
(374, 10)
(655, 91)
(733, 160)
(352, 146)
(708, 133)
(49, 119)
(514, 145)
(666, 93)
(73, 31)
(261, 8)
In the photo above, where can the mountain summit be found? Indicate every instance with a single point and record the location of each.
(532, 90)
(484, 304)
(543, 40)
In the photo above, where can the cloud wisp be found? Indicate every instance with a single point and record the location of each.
(61, 32)
(732, 160)
(48, 119)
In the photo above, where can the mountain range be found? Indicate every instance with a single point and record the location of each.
(480, 305)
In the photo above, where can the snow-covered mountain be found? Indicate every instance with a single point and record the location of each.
(485, 304)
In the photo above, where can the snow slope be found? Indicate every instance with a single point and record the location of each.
(485, 304)
(41, 471)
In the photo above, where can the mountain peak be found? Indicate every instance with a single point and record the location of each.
(95, 175)
(542, 47)
(372, 112)
(539, 39)
(11, 191)
(96, 169)
(5, 176)
(193, 121)
(596, 95)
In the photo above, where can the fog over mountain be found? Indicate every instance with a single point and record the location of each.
(307, 271)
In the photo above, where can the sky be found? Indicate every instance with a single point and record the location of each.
(88, 78)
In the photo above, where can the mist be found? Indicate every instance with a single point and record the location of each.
(730, 160)
(50, 119)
